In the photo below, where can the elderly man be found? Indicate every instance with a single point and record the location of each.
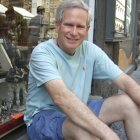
(61, 72)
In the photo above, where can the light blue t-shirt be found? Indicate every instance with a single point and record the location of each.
(49, 62)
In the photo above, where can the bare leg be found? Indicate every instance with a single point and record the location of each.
(73, 132)
(121, 107)
(115, 108)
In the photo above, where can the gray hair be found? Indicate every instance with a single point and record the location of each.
(68, 4)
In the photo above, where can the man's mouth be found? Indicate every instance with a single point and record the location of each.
(72, 39)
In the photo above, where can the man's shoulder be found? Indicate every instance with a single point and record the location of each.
(44, 46)
(89, 43)
(90, 46)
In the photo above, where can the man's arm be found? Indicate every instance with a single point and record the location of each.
(77, 111)
(129, 86)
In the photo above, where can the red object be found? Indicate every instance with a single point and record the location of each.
(10, 125)
(16, 116)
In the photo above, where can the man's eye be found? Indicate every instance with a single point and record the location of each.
(81, 27)
(68, 25)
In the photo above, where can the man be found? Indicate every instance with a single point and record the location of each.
(35, 26)
(61, 72)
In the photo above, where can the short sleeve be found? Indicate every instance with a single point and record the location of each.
(43, 66)
(104, 67)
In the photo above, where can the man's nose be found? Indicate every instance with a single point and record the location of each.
(74, 31)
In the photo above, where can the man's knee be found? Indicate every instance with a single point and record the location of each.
(117, 108)
(128, 106)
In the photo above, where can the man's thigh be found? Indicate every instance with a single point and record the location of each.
(47, 125)
(72, 131)
(113, 108)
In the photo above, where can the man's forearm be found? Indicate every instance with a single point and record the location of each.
(129, 86)
(78, 112)
(82, 116)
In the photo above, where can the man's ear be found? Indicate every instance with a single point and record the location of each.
(57, 25)
(88, 28)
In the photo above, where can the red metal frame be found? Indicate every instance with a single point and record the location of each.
(10, 125)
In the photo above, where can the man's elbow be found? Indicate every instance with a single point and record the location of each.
(59, 99)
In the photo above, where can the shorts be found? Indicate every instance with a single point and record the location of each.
(47, 124)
